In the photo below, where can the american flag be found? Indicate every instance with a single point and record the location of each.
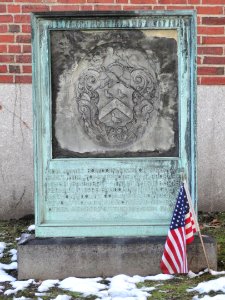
(181, 233)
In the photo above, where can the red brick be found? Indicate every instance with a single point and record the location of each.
(22, 18)
(27, 69)
(213, 80)
(194, 1)
(199, 20)
(72, 1)
(214, 60)
(137, 7)
(14, 8)
(213, 20)
(213, 40)
(6, 38)
(23, 79)
(28, 1)
(33, 8)
(14, 69)
(3, 48)
(172, 1)
(3, 28)
(6, 79)
(121, 1)
(198, 80)
(100, 1)
(14, 28)
(6, 19)
(3, 69)
(143, 1)
(210, 30)
(23, 58)
(179, 7)
(159, 7)
(107, 7)
(213, 2)
(64, 7)
(26, 48)
(23, 39)
(14, 49)
(26, 28)
(199, 60)
(210, 10)
(6, 58)
(85, 7)
(210, 71)
(210, 50)
(2, 8)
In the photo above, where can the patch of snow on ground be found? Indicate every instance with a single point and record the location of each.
(12, 266)
(217, 297)
(159, 277)
(19, 286)
(215, 273)
(193, 275)
(40, 294)
(2, 248)
(63, 297)
(211, 285)
(47, 284)
(1, 288)
(85, 286)
(13, 252)
(31, 227)
(123, 286)
(5, 277)
(22, 298)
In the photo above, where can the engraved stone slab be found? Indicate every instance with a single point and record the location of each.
(114, 121)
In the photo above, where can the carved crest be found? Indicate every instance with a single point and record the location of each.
(116, 94)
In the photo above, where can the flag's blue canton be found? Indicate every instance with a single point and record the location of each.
(180, 210)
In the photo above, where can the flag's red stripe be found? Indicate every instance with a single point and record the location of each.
(169, 259)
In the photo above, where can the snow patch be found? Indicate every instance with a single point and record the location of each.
(123, 286)
(62, 297)
(19, 286)
(5, 277)
(13, 252)
(12, 266)
(217, 297)
(47, 284)
(215, 273)
(159, 277)
(85, 286)
(31, 228)
(2, 248)
(211, 285)
(22, 298)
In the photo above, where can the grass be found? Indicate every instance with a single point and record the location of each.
(212, 224)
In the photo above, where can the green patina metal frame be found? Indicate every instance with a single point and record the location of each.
(42, 23)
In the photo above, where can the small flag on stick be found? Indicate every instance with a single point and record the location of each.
(181, 233)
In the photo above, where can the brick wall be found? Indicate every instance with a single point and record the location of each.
(15, 36)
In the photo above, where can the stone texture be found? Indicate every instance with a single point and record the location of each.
(16, 153)
(211, 145)
(58, 258)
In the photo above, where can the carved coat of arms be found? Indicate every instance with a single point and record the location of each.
(117, 92)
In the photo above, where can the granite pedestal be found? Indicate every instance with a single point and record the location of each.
(58, 258)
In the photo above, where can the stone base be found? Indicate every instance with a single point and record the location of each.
(59, 258)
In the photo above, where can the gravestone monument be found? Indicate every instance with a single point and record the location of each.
(114, 134)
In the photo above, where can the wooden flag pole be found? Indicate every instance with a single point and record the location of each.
(196, 223)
